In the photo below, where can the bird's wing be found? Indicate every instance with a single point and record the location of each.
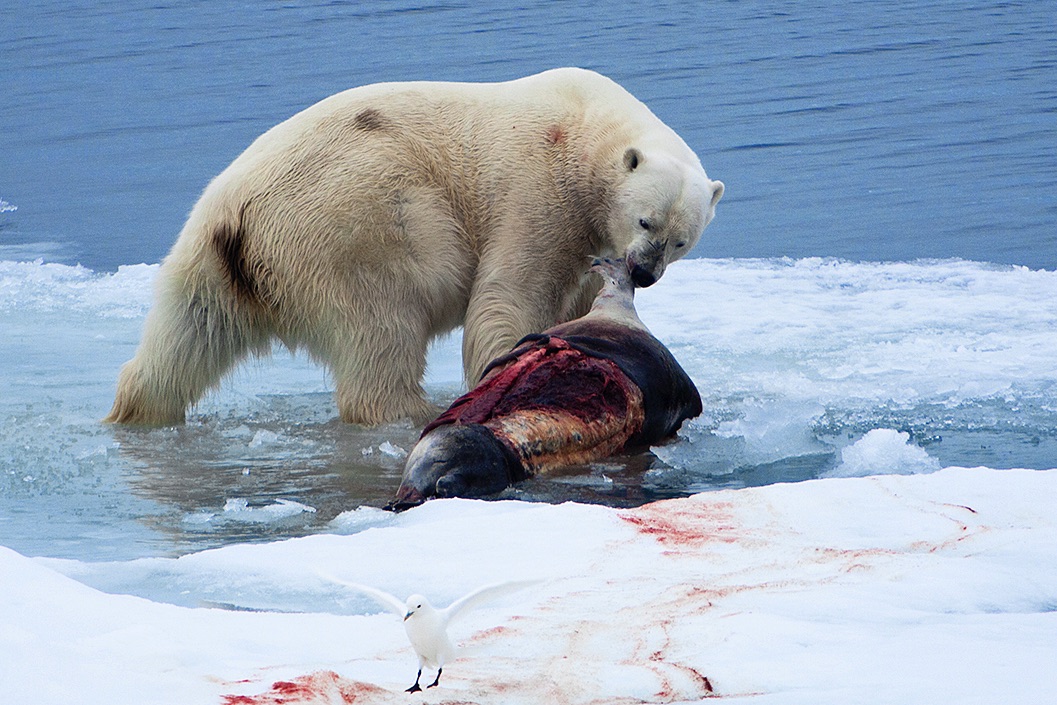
(391, 602)
(482, 595)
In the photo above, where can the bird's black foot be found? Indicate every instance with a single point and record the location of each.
(416, 688)
(436, 681)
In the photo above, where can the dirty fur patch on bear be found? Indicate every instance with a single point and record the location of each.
(229, 242)
(369, 119)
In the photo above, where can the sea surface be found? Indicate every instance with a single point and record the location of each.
(876, 131)
(882, 260)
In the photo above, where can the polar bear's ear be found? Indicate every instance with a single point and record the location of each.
(632, 158)
(717, 191)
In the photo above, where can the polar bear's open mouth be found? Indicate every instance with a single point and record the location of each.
(642, 277)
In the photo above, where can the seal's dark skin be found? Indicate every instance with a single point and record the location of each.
(575, 393)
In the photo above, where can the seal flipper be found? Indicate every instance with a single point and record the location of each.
(464, 460)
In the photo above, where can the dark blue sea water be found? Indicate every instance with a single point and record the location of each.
(865, 131)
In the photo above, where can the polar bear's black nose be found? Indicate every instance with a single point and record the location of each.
(642, 276)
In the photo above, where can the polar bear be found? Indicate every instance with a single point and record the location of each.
(383, 216)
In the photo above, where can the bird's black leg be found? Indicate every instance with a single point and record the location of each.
(416, 688)
(436, 681)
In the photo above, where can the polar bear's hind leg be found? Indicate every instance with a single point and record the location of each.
(194, 334)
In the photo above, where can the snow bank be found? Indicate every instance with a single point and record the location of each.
(928, 588)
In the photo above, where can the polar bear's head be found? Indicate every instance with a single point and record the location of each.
(661, 207)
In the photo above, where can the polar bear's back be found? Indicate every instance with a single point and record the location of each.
(466, 141)
(464, 112)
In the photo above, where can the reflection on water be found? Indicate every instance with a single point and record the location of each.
(200, 472)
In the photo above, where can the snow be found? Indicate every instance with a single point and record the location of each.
(925, 588)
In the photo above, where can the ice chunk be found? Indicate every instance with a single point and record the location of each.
(385, 448)
(775, 430)
(198, 518)
(356, 520)
(263, 437)
(884, 451)
(238, 509)
(391, 450)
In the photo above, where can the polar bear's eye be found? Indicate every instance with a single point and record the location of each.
(644, 224)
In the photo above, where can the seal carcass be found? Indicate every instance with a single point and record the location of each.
(575, 393)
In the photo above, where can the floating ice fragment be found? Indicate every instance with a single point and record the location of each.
(681, 453)
(238, 509)
(262, 437)
(385, 448)
(770, 431)
(97, 452)
(884, 451)
(356, 520)
(391, 450)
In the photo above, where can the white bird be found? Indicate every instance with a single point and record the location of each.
(426, 626)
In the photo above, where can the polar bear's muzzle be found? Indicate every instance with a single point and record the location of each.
(646, 268)
(642, 276)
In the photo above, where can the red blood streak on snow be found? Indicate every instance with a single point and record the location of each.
(680, 522)
(321, 687)
(489, 634)
(677, 681)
